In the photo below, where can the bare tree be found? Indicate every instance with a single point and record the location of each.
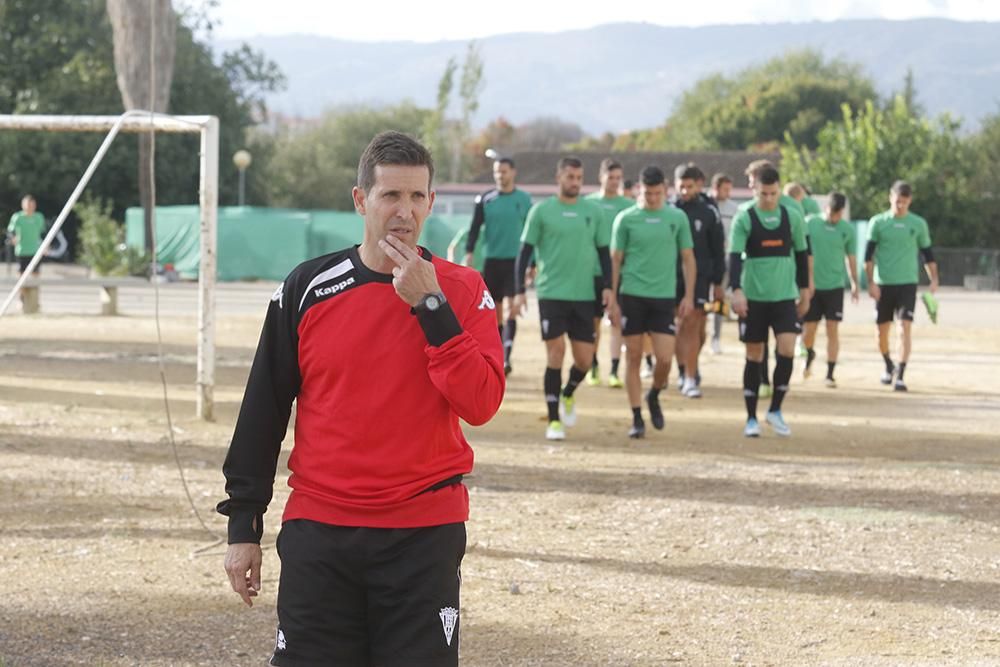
(145, 41)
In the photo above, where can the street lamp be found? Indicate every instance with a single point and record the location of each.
(242, 160)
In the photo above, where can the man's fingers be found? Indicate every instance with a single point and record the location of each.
(392, 253)
(403, 249)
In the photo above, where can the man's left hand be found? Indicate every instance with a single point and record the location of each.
(413, 277)
(803, 306)
(606, 297)
(686, 307)
(718, 294)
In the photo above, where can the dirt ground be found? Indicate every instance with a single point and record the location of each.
(871, 537)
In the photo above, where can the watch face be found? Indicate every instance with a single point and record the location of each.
(432, 302)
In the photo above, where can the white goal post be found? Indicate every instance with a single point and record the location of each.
(145, 121)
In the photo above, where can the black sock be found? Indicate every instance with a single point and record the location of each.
(553, 380)
(782, 374)
(649, 360)
(888, 363)
(575, 378)
(765, 376)
(751, 383)
(829, 369)
(680, 369)
(902, 369)
(810, 357)
(636, 416)
(614, 366)
(508, 333)
(593, 363)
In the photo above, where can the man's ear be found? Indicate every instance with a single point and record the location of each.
(359, 199)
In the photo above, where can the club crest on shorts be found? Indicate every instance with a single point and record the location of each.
(279, 641)
(279, 295)
(449, 617)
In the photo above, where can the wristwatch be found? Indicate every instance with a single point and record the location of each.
(431, 302)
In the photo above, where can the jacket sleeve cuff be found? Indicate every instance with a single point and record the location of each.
(439, 326)
(245, 525)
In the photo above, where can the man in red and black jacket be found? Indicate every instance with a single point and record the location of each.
(385, 348)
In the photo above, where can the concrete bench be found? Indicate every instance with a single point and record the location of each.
(107, 290)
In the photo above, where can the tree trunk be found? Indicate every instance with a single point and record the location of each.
(144, 30)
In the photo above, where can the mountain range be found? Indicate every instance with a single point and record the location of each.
(624, 76)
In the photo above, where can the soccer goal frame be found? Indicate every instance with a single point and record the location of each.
(145, 121)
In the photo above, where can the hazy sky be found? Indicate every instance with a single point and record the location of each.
(433, 20)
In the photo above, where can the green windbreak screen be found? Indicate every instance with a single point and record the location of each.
(266, 243)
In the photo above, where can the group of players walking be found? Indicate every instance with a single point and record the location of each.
(657, 266)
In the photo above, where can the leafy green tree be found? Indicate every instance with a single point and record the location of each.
(316, 166)
(796, 93)
(432, 132)
(864, 153)
(56, 58)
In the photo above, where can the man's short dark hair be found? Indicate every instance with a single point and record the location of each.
(688, 171)
(650, 176)
(628, 184)
(609, 164)
(569, 161)
(754, 167)
(767, 176)
(507, 161)
(392, 148)
(720, 179)
(902, 189)
(837, 201)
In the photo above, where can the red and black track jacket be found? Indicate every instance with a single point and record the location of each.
(380, 391)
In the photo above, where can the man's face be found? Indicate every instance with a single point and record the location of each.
(503, 175)
(900, 203)
(834, 216)
(570, 181)
(687, 188)
(652, 197)
(397, 204)
(724, 191)
(611, 181)
(767, 196)
(28, 205)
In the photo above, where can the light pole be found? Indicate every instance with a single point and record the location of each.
(242, 160)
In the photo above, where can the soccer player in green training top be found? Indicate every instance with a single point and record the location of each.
(612, 203)
(894, 237)
(26, 227)
(501, 212)
(565, 234)
(833, 242)
(791, 204)
(650, 236)
(765, 287)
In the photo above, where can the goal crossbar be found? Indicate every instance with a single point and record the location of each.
(145, 121)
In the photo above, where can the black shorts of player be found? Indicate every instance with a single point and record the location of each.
(646, 315)
(828, 303)
(896, 300)
(702, 290)
(779, 316)
(368, 596)
(498, 274)
(24, 260)
(575, 318)
(598, 297)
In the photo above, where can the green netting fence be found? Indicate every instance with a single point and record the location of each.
(266, 243)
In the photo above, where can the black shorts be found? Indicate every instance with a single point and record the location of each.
(575, 318)
(646, 315)
(359, 596)
(24, 260)
(598, 297)
(896, 300)
(498, 274)
(828, 303)
(781, 316)
(702, 289)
